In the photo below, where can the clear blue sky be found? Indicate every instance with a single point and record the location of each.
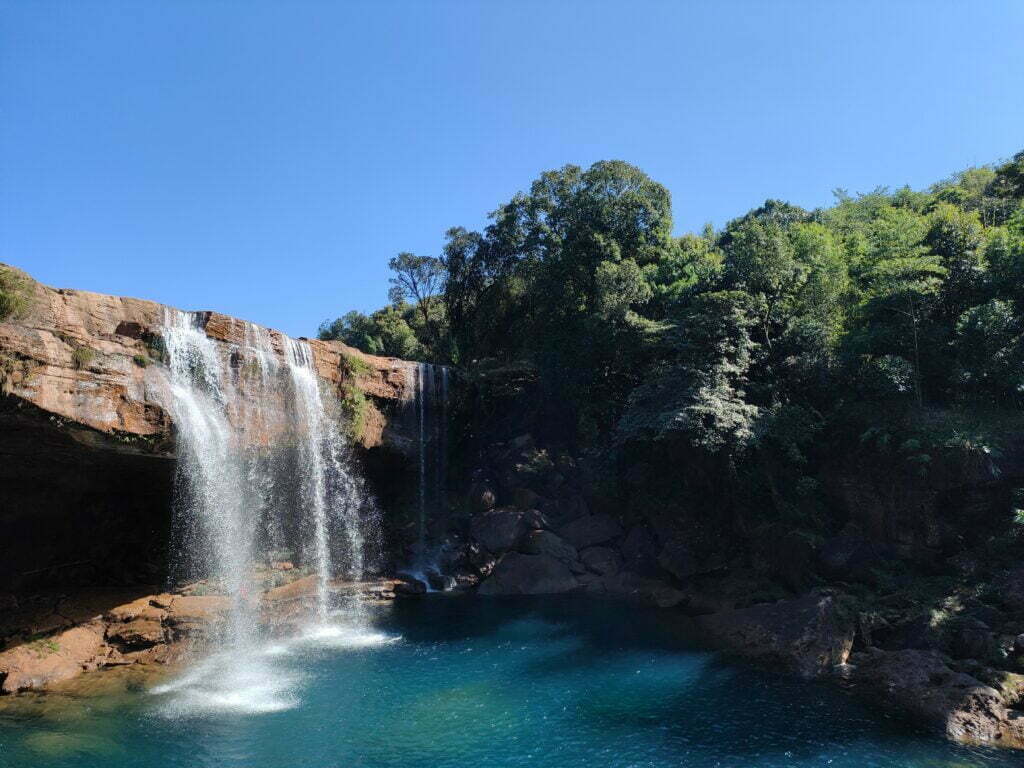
(266, 158)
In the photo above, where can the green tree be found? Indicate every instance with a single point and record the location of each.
(699, 398)
(901, 286)
(420, 281)
(990, 357)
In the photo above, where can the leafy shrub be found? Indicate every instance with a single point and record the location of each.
(14, 371)
(15, 292)
(141, 360)
(82, 356)
(356, 406)
(355, 366)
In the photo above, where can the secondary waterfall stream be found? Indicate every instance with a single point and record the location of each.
(431, 406)
(264, 474)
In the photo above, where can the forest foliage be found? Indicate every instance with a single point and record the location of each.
(732, 352)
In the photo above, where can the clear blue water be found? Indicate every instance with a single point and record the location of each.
(546, 684)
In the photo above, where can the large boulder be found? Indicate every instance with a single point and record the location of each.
(540, 542)
(526, 498)
(640, 551)
(604, 561)
(1011, 592)
(482, 497)
(809, 634)
(498, 530)
(589, 530)
(42, 662)
(924, 686)
(677, 558)
(520, 574)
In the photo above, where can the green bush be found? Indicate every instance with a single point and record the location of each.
(355, 366)
(141, 360)
(82, 356)
(15, 292)
(356, 406)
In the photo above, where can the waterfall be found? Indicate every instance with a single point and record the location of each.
(431, 404)
(215, 526)
(264, 468)
(329, 492)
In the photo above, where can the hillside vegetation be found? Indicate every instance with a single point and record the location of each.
(887, 328)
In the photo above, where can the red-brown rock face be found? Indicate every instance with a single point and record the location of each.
(88, 358)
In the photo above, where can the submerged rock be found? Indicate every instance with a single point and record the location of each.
(520, 574)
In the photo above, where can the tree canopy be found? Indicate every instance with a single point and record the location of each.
(734, 346)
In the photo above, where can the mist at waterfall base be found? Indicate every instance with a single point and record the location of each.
(264, 474)
(549, 683)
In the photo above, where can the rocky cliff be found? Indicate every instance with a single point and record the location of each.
(88, 444)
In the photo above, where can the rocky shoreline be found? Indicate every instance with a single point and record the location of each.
(52, 639)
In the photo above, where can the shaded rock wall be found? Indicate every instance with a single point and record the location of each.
(78, 505)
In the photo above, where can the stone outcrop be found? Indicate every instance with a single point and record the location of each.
(519, 574)
(924, 685)
(809, 635)
(46, 643)
(633, 588)
(89, 359)
(589, 530)
(498, 530)
(604, 561)
(140, 630)
(45, 661)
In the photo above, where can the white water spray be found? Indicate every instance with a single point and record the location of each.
(263, 468)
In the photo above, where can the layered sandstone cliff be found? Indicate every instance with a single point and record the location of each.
(86, 358)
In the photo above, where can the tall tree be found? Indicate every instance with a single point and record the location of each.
(418, 280)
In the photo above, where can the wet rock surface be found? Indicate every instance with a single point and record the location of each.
(52, 639)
